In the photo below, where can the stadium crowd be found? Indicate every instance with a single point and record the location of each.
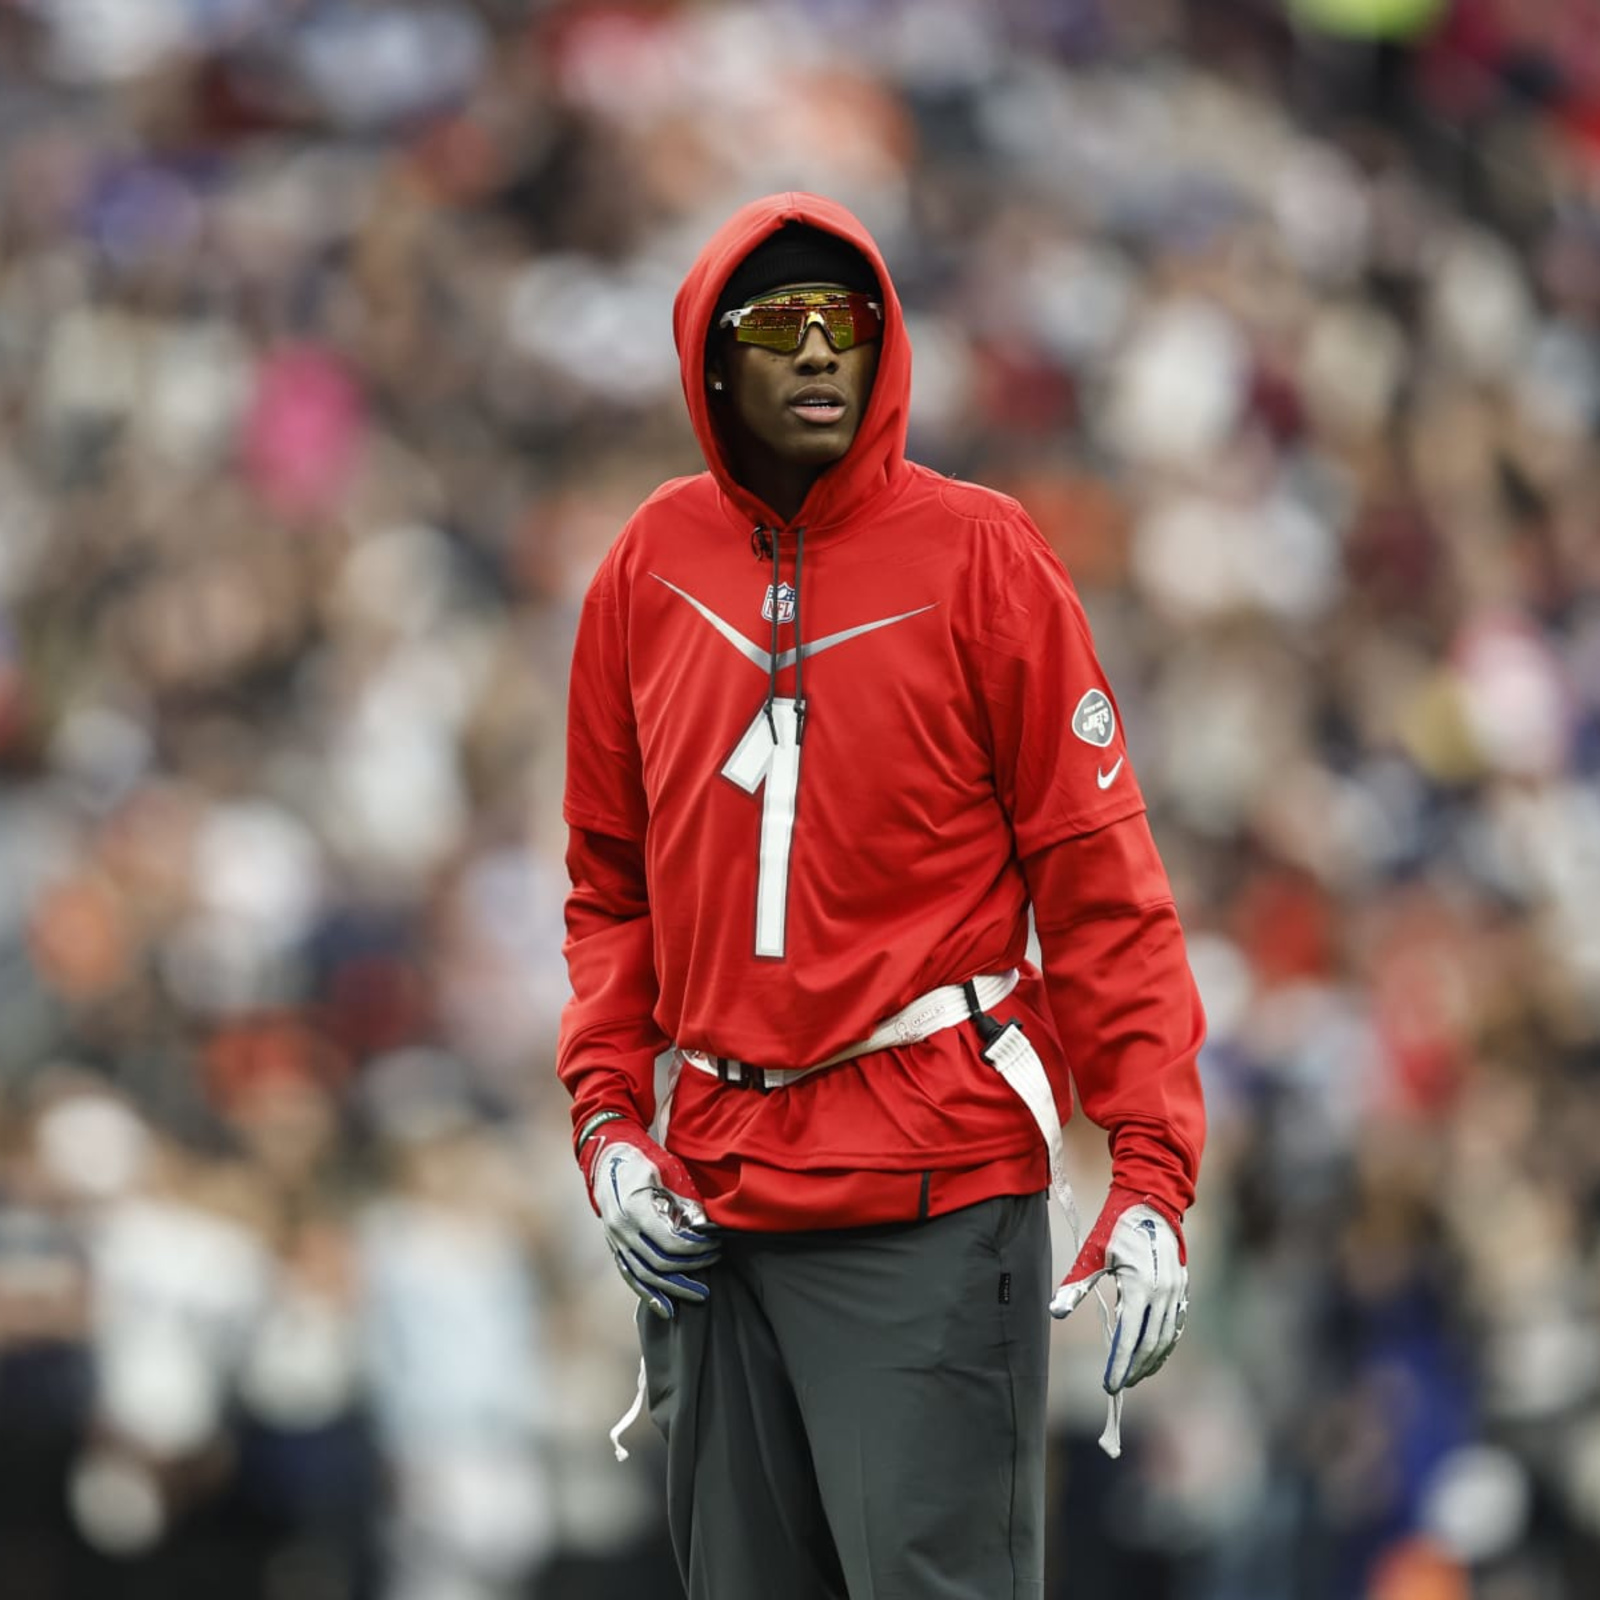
(335, 346)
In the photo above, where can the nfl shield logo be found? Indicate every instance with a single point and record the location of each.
(785, 600)
(1094, 721)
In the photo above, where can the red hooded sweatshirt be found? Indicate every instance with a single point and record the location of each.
(962, 758)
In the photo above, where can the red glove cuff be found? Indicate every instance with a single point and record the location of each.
(1092, 1257)
(620, 1130)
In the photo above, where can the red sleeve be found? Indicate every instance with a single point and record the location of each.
(609, 1041)
(1054, 731)
(1120, 989)
(605, 782)
(1124, 1002)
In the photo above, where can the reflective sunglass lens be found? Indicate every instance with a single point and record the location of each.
(784, 327)
(774, 327)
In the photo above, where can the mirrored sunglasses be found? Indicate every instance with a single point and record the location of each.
(781, 323)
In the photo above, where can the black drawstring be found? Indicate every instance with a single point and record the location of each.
(769, 540)
(799, 652)
(764, 542)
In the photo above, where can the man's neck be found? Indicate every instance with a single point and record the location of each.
(781, 486)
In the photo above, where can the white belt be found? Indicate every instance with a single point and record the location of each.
(926, 1015)
(1009, 1051)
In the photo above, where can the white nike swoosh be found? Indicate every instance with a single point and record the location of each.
(751, 652)
(754, 654)
(1106, 779)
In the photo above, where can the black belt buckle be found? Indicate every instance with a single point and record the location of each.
(749, 1077)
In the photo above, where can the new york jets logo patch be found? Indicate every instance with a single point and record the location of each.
(1094, 721)
(784, 600)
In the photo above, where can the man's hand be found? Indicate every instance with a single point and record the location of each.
(1143, 1253)
(654, 1219)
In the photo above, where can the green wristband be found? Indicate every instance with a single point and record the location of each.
(594, 1124)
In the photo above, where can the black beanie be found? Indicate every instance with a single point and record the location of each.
(796, 253)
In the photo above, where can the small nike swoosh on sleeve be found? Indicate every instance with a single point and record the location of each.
(1106, 779)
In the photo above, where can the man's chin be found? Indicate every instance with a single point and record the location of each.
(819, 447)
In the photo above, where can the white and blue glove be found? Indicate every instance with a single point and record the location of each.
(1141, 1251)
(654, 1218)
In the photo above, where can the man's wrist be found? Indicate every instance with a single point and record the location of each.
(591, 1140)
(1124, 1197)
(593, 1126)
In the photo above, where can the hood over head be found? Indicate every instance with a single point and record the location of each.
(796, 253)
(877, 454)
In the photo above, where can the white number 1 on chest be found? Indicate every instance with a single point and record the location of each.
(759, 759)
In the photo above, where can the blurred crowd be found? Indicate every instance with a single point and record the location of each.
(334, 350)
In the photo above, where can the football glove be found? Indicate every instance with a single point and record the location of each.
(654, 1218)
(1141, 1250)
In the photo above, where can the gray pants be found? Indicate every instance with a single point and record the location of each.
(860, 1414)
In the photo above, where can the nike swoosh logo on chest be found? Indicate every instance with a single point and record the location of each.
(756, 656)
